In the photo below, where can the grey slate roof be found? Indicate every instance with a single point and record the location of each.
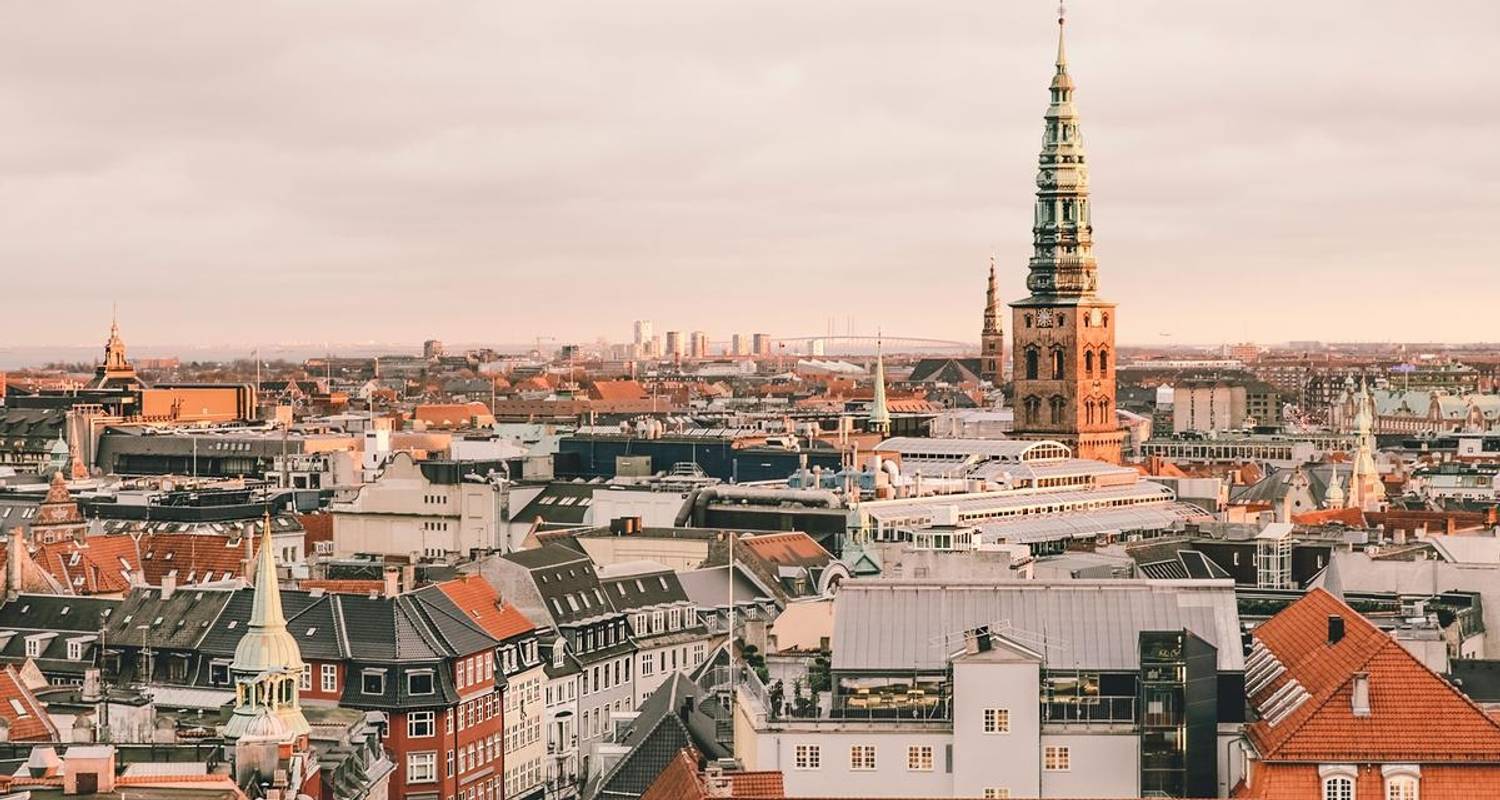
(1086, 625)
(671, 718)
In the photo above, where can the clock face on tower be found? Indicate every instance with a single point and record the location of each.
(1044, 318)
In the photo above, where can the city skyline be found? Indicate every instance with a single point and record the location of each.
(792, 163)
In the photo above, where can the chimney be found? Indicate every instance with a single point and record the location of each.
(392, 581)
(686, 709)
(1335, 628)
(408, 577)
(168, 585)
(93, 686)
(1361, 694)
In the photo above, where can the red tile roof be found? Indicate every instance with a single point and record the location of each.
(1415, 716)
(25, 715)
(105, 564)
(476, 596)
(682, 781)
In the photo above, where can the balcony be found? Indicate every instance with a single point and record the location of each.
(1093, 710)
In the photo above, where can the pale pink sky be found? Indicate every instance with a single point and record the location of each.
(487, 171)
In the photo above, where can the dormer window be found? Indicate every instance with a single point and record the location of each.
(372, 681)
(420, 682)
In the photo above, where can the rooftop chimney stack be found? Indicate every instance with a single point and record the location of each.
(1335, 628)
(392, 581)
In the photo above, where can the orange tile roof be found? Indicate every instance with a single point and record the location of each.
(451, 414)
(26, 716)
(787, 549)
(105, 564)
(1438, 782)
(617, 390)
(343, 585)
(1353, 517)
(475, 595)
(1416, 716)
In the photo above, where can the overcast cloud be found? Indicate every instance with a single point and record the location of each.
(241, 172)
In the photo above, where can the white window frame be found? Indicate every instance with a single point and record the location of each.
(919, 758)
(861, 758)
(426, 719)
(421, 767)
(997, 720)
(1057, 758)
(996, 793)
(807, 757)
(329, 678)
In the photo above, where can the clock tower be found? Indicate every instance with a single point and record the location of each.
(1063, 334)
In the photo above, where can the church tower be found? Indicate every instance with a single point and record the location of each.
(1063, 334)
(991, 337)
(267, 666)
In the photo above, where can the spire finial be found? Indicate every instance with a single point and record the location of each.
(1062, 18)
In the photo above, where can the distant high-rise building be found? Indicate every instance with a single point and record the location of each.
(674, 345)
(1064, 334)
(739, 345)
(760, 344)
(432, 349)
(653, 348)
(642, 332)
(699, 345)
(991, 337)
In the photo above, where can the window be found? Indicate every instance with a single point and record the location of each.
(1104, 358)
(991, 793)
(218, 673)
(1057, 759)
(919, 758)
(648, 667)
(34, 646)
(420, 724)
(1031, 363)
(304, 681)
(329, 678)
(997, 720)
(372, 681)
(421, 767)
(1057, 364)
(807, 756)
(862, 757)
(1338, 788)
(1401, 787)
(419, 682)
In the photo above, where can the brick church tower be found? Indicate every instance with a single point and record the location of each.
(1063, 334)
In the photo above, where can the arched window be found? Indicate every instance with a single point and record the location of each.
(1088, 362)
(1028, 320)
(1088, 411)
(1057, 363)
(1401, 787)
(1057, 410)
(1032, 356)
(1106, 319)
(1033, 409)
(1338, 787)
(1104, 363)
